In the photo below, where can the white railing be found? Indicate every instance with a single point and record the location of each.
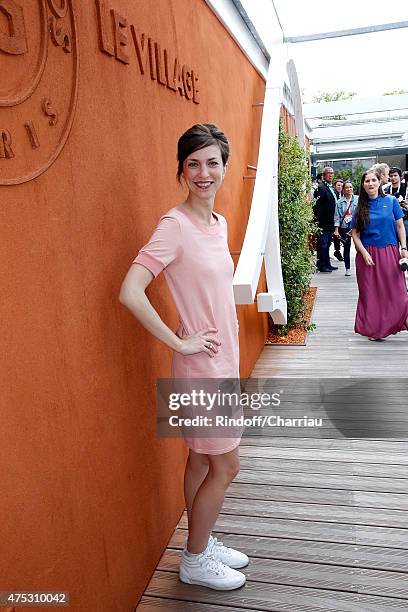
(261, 240)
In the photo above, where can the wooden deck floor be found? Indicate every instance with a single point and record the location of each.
(323, 519)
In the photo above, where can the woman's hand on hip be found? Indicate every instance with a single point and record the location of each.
(202, 341)
(368, 259)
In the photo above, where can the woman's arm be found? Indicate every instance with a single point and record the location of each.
(336, 219)
(361, 248)
(402, 236)
(133, 296)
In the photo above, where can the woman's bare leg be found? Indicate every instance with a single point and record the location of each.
(196, 470)
(209, 498)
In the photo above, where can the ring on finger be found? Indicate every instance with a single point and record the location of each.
(210, 346)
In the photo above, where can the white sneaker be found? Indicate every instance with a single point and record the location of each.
(206, 570)
(228, 556)
(348, 273)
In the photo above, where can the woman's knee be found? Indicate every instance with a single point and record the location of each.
(225, 466)
(233, 469)
(198, 462)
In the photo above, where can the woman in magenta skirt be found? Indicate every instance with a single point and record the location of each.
(378, 227)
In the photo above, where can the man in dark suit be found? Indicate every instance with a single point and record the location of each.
(338, 192)
(324, 214)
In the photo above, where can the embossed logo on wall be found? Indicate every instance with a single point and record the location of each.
(117, 38)
(38, 86)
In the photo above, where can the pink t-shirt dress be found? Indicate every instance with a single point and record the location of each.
(198, 269)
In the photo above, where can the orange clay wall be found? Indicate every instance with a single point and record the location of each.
(288, 121)
(96, 96)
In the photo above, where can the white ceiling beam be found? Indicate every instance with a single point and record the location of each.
(355, 106)
(373, 149)
(350, 32)
(370, 130)
(369, 144)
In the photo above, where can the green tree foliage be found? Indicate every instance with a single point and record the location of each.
(295, 226)
(347, 174)
(334, 96)
(395, 92)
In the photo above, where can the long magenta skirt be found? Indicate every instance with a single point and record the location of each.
(382, 307)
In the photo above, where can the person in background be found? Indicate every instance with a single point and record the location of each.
(398, 188)
(338, 187)
(324, 214)
(377, 228)
(384, 172)
(315, 185)
(404, 205)
(319, 178)
(338, 191)
(343, 215)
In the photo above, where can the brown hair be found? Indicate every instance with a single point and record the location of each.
(363, 209)
(198, 137)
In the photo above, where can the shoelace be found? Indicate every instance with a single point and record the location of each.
(213, 565)
(219, 544)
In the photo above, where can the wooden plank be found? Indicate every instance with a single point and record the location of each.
(325, 433)
(327, 352)
(329, 553)
(349, 390)
(309, 367)
(159, 604)
(366, 412)
(311, 530)
(340, 430)
(273, 598)
(323, 467)
(314, 575)
(353, 515)
(311, 495)
(347, 455)
(388, 446)
(346, 389)
(330, 481)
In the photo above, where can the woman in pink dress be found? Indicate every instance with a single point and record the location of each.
(190, 246)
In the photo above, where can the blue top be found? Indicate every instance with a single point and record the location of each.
(382, 229)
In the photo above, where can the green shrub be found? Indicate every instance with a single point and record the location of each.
(295, 226)
(352, 175)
